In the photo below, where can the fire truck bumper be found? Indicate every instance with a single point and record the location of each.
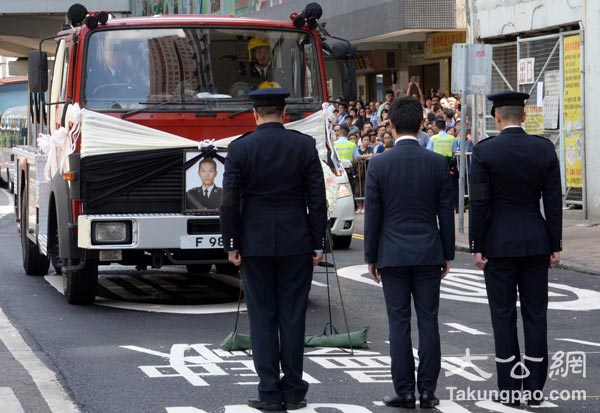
(148, 232)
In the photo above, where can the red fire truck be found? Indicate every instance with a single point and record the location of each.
(113, 138)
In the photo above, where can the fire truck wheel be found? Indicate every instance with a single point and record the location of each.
(198, 268)
(34, 262)
(341, 243)
(80, 285)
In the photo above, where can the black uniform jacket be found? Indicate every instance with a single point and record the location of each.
(196, 200)
(408, 192)
(509, 174)
(281, 209)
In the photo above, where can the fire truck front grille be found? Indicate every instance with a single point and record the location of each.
(141, 187)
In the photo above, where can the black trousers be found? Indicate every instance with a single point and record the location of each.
(423, 283)
(276, 291)
(503, 278)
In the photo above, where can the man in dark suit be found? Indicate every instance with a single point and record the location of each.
(207, 196)
(408, 192)
(513, 243)
(273, 219)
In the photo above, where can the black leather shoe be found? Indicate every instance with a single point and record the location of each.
(406, 401)
(535, 402)
(260, 405)
(294, 406)
(428, 400)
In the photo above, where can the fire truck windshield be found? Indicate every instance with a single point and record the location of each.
(207, 68)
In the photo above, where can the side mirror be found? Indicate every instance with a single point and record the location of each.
(38, 71)
(349, 80)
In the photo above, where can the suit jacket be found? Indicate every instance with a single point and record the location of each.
(252, 71)
(509, 175)
(408, 191)
(195, 198)
(274, 194)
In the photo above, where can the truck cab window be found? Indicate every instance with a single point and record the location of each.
(188, 68)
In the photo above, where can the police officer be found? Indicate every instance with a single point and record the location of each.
(441, 142)
(273, 219)
(346, 150)
(514, 243)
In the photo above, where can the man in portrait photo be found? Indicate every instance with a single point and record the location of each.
(208, 195)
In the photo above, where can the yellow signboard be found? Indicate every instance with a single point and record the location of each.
(572, 112)
(534, 122)
(439, 45)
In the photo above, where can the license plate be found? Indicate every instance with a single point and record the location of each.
(192, 242)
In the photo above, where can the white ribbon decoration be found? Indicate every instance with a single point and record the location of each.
(60, 144)
(108, 134)
(205, 143)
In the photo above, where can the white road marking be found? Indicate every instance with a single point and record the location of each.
(466, 329)
(9, 401)
(56, 281)
(46, 381)
(469, 286)
(449, 406)
(572, 340)
(445, 406)
(318, 284)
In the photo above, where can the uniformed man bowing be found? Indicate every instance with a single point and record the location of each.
(273, 219)
(515, 243)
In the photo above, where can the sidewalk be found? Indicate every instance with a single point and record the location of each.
(581, 240)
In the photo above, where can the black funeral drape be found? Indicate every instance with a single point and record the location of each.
(110, 179)
(138, 182)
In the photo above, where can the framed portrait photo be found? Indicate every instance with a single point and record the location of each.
(203, 181)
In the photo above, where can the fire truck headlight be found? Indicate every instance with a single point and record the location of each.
(111, 232)
(344, 191)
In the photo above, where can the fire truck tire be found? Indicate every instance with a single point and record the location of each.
(198, 268)
(34, 262)
(341, 243)
(80, 286)
(227, 269)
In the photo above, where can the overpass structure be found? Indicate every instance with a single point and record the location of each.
(24, 23)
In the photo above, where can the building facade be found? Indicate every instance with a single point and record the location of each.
(547, 49)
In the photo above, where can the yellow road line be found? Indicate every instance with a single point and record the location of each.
(358, 236)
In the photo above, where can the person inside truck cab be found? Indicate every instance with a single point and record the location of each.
(259, 55)
(113, 77)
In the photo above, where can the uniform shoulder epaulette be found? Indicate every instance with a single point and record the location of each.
(486, 139)
(542, 137)
(241, 136)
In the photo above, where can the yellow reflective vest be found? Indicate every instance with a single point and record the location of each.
(344, 149)
(443, 144)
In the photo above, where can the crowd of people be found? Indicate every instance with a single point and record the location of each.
(363, 130)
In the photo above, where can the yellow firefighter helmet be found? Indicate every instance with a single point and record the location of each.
(257, 42)
(269, 84)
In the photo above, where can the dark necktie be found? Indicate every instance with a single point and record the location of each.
(206, 193)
